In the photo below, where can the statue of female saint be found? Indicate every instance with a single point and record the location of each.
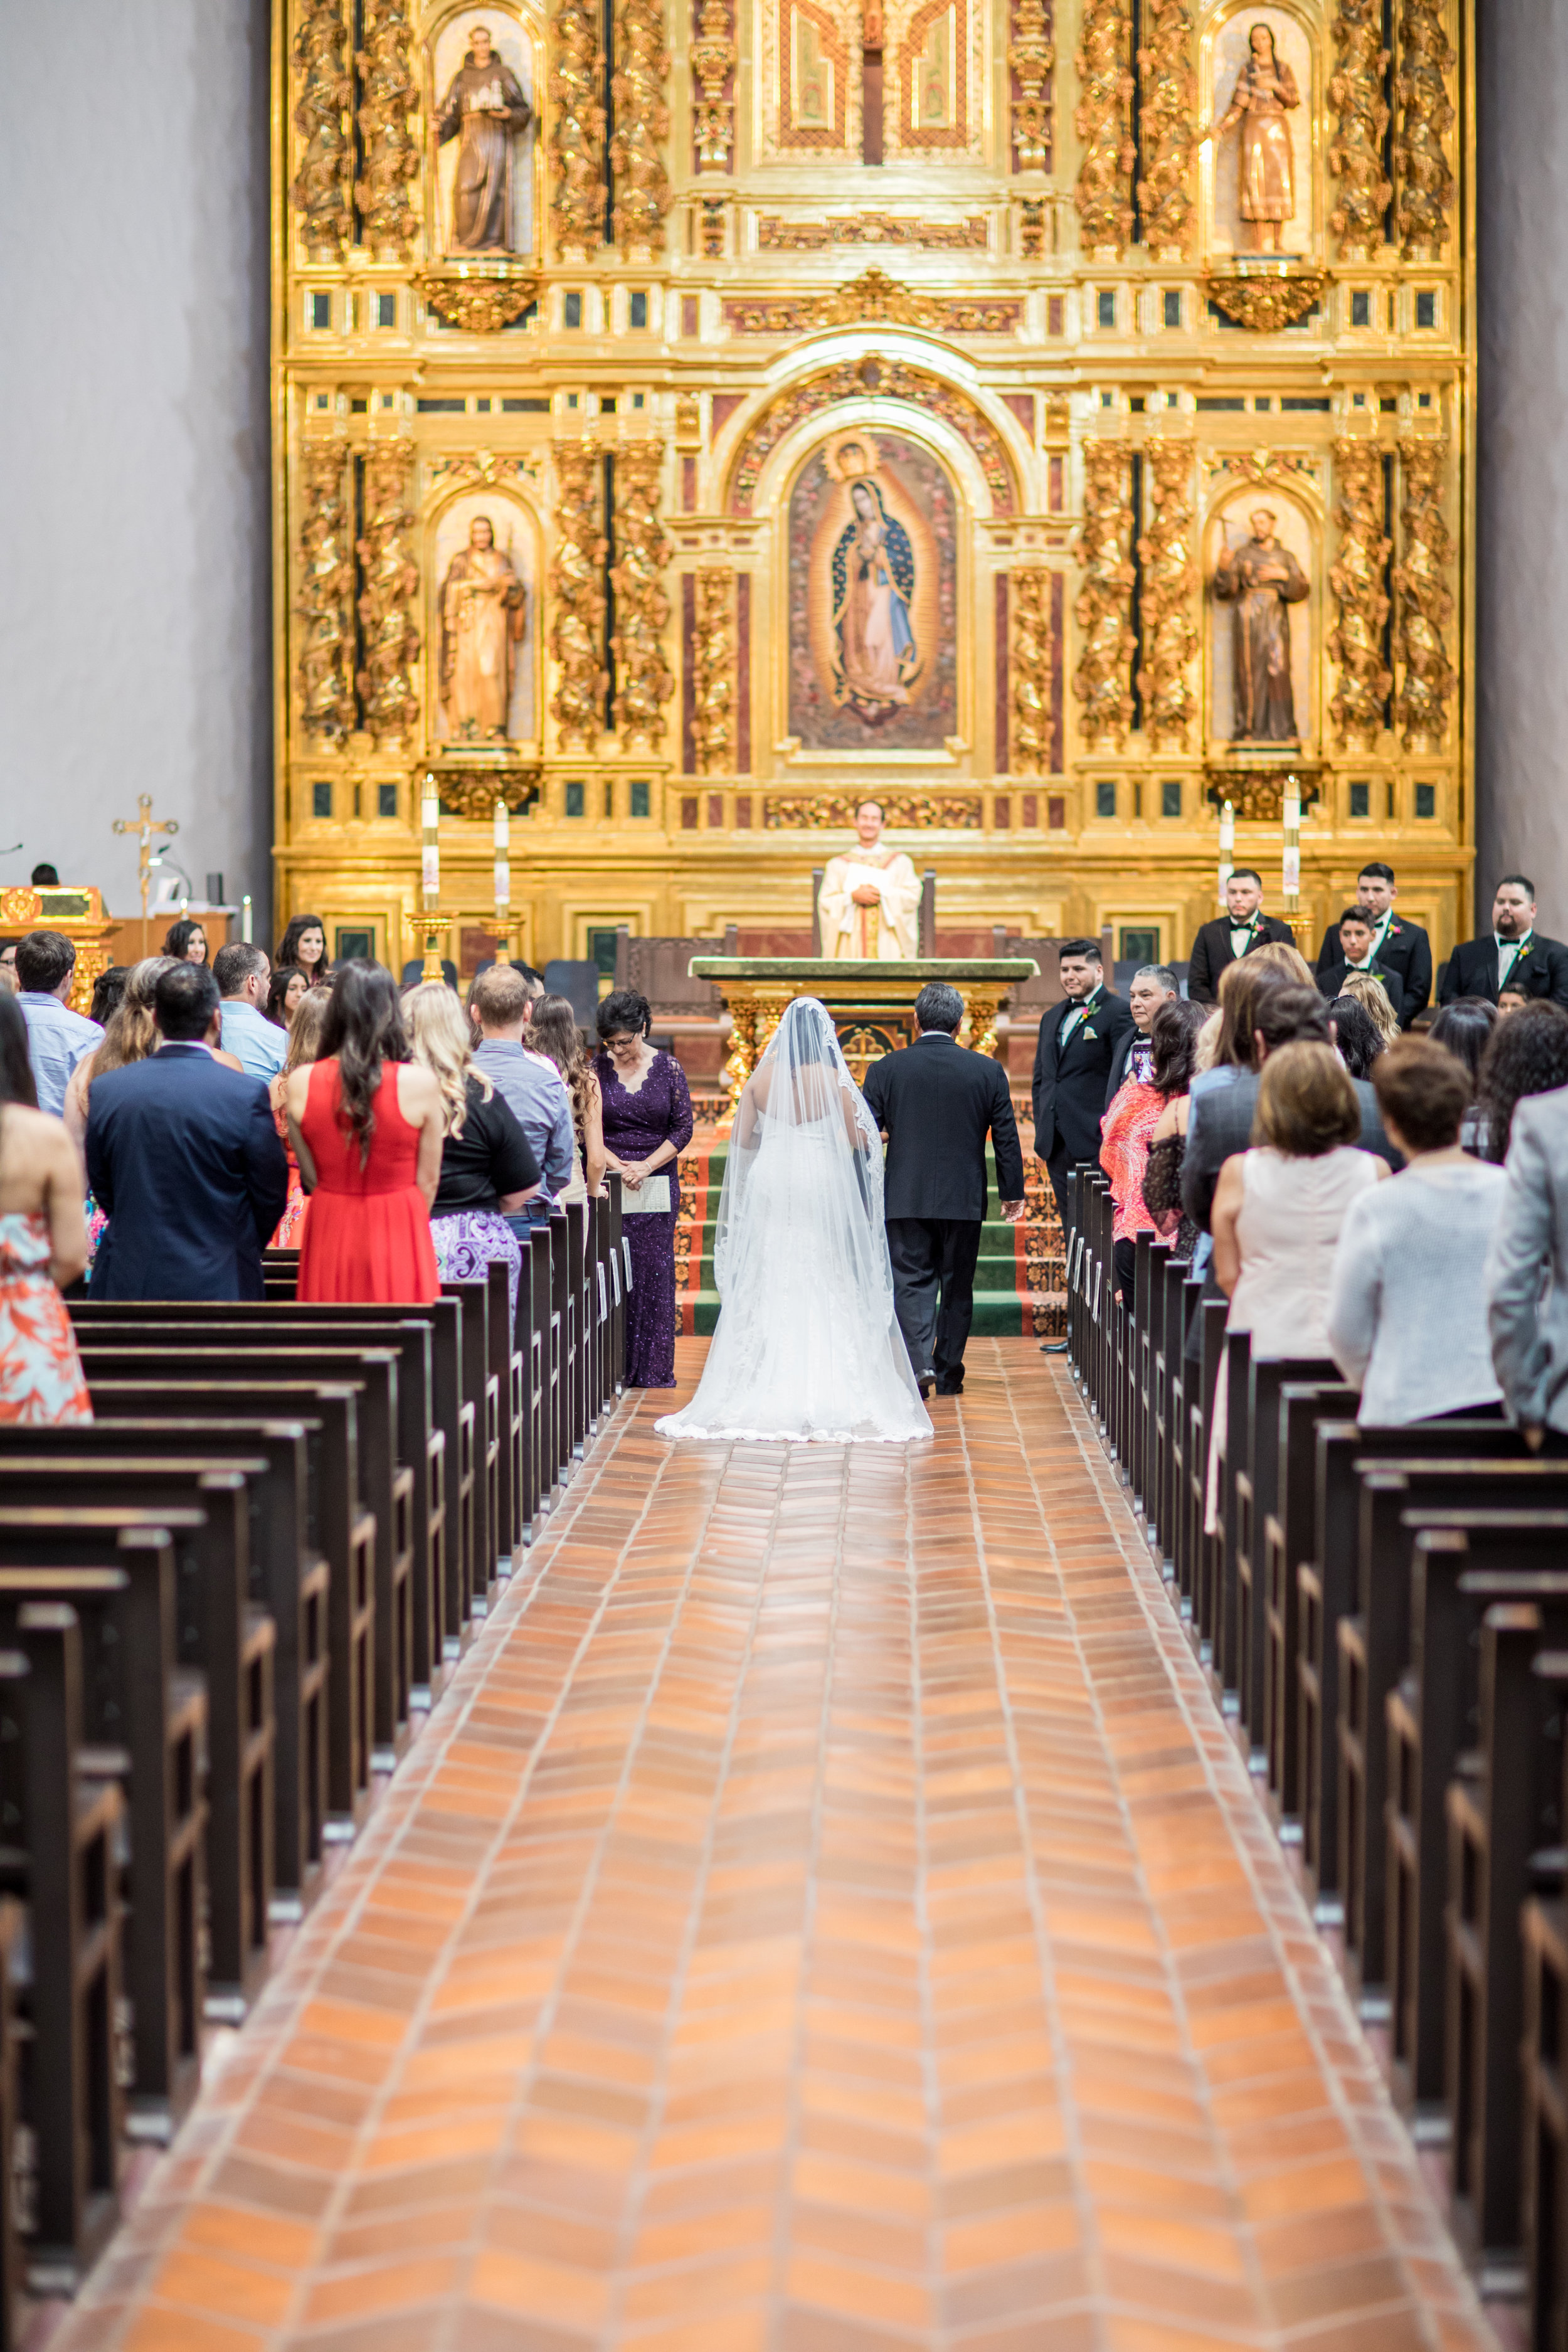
(484, 107)
(482, 623)
(873, 587)
(1261, 579)
(1265, 91)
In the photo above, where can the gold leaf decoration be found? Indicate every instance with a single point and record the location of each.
(1266, 302)
(478, 299)
(714, 69)
(473, 793)
(642, 121)
(873, 298)
(874, 378)
(1170, 137)
(389, 583)
(643, 680)
(320, 188)
(388, 96)
(1355, 151)
(1029, 748)
(1102, 682)
(835, 812)
(1103, 120)
(1030, 57)
(327, 579)
(1356, 577)
(1425, 118)
(1425, 600)
(713, 670)
(578, 602)
(578, 130)
(1258, 795)
(1170, 581)
(776, 236)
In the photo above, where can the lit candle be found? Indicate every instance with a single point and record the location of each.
(430, 854)
(244, 918)
(1226, 844)
(1290, 875)
(504, 865)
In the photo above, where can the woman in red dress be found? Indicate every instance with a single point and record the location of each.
(366, 1128)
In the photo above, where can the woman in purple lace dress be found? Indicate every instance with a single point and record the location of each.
(648, 1123)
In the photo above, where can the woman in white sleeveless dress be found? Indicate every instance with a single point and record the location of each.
(808, 1345)
(1277, 1211)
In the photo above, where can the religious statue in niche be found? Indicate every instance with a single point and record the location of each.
(872, 598)
(1261, 579)
(484, 110)
(483, 618)
(1265, 89)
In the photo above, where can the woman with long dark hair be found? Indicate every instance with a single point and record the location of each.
(1130, 1124)
(1528, 1055)
(287, 985)
(107, 992)
(366, 1128)
(304, 944)
(552, 1031)
(186, 941)
(43, 1245)
(1464, 1029)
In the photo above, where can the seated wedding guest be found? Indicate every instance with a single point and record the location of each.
(242, 972)
(57, 1038)
(285, 989)
(1356, 958)
(1153, 985)
(183, 1155)
(1375, 1002)
(501, 1004)
(1279, 1208)
(108, 993)
(43, 1246)
(304, 1046)
(488, 1168)
(131, 1034)
(1514, 951)
(648, 1124)
(1355, 1036)
(303, 946)
(1179, 1032)
(1528, 1054)
(1407, 1308)
(1240, 931)
(1399, 947)
(552, 1027)
(1130, 1125)
(366, 1124)
(186, 941)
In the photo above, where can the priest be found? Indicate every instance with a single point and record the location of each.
(870, 901)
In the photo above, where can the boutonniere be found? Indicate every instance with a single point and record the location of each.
(1394, 931)
(1521, 952)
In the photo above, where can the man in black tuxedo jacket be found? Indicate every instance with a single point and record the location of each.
(1081, 1046)
(183, 1154)
(1242, 928)
(1398, 947)
(1356, 932)
(1516, 952)
(936, 1103)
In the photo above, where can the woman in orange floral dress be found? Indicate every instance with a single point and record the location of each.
(43, 1245)
(304, 1046)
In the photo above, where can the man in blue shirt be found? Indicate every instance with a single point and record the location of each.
(57, 1038)
(258, 1045)
(500, 1001)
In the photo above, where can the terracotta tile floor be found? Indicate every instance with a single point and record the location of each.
(827, 1915)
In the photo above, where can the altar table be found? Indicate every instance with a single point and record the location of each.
(872, 1004)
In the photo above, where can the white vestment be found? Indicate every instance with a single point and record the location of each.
(885, 933)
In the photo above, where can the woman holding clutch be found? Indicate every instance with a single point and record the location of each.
(648, 1124)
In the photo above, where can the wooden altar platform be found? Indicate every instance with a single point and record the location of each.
(872, 1004)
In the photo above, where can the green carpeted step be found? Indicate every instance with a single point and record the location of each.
(998, 1314)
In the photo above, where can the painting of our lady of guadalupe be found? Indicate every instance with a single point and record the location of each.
(872, 598)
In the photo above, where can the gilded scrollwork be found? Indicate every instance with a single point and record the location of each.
(1103, 610)
(642, 121)
(713, 670)
(1356, 577)
(1030, 57)
(1030, 747)
(1425, 179)
(577, 601)
(1355, 151)
(1425, 600)
(389, 582)
(834, 812)
(1266, 304)
(1103, 120)
(577, 129)
(872, 298)
(713, 71)
(320, 188)
(969, 235)
(473, 793)
(1166, 552)
(388, 96)
(326, 587)
(478, 299)
(876, 378)
(643, 680)
(1167, 121)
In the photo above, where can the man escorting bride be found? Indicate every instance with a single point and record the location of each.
(816, 1341)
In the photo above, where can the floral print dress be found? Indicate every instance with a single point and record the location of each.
(40, 1372)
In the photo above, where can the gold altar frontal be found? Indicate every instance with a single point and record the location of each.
(872, 1004)
(79, 915)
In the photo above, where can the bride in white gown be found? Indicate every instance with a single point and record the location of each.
(808, 1345)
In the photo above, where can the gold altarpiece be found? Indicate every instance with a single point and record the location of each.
(693, 417)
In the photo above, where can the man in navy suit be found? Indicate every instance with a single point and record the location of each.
(184, 1155)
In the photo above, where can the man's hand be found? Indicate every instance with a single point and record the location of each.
(1012, 1212)
(868, 895)
(1533, 1434)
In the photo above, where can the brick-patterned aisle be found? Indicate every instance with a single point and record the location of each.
(825, 1917)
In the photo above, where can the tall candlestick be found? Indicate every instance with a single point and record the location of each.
(430, 846)
(1227, 846)
(503, 864)
(245, 913)
(1291, 874)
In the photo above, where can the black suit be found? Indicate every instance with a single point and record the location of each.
(184, 1156)
(1332, 983)
(1071, 1083)
(937, 1102)
(1406, 953)
(1212, 953)
(1472, 970)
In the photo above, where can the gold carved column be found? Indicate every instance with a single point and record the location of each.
(1356, 577)
(1361, 119)
(576, 600)
(1102, 682)
(1103, 120)
(320, 189)
(1168, 127)
(1169, 582)
(1424, 177)
(389, 584)
(389, 96)
(1029, 748)
(1030, 57)
(643, 680)
(326, 588)
(713, 670)
(642, 123)
(578, 130)
(1425, 600)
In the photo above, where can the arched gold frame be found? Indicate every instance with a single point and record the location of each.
(430, 520)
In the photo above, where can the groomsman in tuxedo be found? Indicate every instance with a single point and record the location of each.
(1081, 1044)
(1397, 947)
(1354, 933)
(1243, 927)
(1515, 952)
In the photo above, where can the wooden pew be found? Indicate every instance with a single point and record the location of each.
(482, 1387)
(1257, 1489)
(1287, 1544)
(1544, 2198)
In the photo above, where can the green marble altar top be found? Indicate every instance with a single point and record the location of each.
(957, 968)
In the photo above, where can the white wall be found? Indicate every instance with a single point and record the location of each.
(135, 598)
(1522, 748)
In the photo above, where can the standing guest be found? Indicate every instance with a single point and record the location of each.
(1240, 987)
(501, 1004)
(1375, 1001)
(108, 993)
(1081, 1042)
(131, 1035)
(1356, 1036)
(487, 1165)
(304, 947)
(1152, 986)
(1179, 1032)
(553, 1026)
(1357, 960)
(1407, 1308)
(242, 972)
(1526, 1268)
(285, 990)
(8, 979)
(183, 1155)
(57, 1038)
(1127, 1130)
(1240, 931)
(304, 1047)
(535, 980)
(1398, 947)
(366, 1128)
(1515, 950)
(43, 1246)
(1528, 1055)
(1464, 1029)
(186, 941)
(648, 1124)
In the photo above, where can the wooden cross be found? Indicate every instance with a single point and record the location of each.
(143, 826)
